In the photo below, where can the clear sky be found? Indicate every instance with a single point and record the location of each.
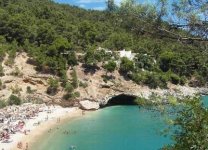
(93, 4)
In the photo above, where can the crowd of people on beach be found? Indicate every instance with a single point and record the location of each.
(13, 120)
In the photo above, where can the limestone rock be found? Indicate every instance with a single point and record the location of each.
(89, 105)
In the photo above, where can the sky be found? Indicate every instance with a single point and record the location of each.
(93, 4)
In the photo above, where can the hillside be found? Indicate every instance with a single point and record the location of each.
(50, 50)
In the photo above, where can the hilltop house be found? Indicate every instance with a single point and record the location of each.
(127, 54)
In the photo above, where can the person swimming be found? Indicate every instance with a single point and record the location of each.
(72, 147)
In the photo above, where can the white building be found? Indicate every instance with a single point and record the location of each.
(127, 54)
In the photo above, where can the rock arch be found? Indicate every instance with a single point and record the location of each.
(120, 99)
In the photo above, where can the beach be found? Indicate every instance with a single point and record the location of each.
(48, 118)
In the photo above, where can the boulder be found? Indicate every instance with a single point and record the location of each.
(89, 105)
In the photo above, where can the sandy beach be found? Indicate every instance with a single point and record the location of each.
(39, 125)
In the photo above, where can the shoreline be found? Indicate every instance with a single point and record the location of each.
(59, 116)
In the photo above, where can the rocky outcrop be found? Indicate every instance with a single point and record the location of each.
(203, 91)
(89, 105)
(33, 81)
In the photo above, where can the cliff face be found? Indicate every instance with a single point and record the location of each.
(22, 75)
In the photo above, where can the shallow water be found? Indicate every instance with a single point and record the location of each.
(111, 128)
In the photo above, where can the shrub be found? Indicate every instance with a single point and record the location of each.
(71, 59)
(1, 71)
(17, 72)
(76, 94)
(126, 65)
(29, 90)
(139, 78)
(83, 84)
(63, 78)
(16, 89)
(183, 80)
(175, 79)
(67, 96)
(70, 96)
(1, 83)
(152, 80)
(110, 66)
(14, 100)
(53, 86)
(2, 104)
(74, 79)
(69, 87)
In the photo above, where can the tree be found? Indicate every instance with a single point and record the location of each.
(126, 65)
(1, 71)
(74, 78)
(110, 66)
(62, 45)
(14, 100)
(92, 57)
(111, 5)
(165, 60)
(144, 61)
(72, 59)
(69, 87)
(53, 86)
(190, 126)
(192, 15)
(118, 41)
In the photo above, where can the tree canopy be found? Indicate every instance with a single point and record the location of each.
(168, 39)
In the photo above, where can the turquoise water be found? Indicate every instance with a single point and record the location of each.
(111, 128)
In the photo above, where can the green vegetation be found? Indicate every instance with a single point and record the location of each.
(53, 86)
(1, 71)
(83, 84)
(52, 34)
(190, 126)
(16, 89)
(126, 65)
(74, 79)
(110, 66)
(30, 90)
(69, 88)
(17, 72)
(14, 100)
(2, 104)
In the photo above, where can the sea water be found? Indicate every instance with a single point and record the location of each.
(111, 128)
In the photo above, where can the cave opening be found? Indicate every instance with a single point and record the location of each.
(122, 99)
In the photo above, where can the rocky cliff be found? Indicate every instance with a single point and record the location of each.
(22, 75)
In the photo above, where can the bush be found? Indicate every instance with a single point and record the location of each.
(1, 83)
(74, 79)
(152, 80)
(70, 96)
(1, 71)
(63, 78)
(17, 72)
(83, 84)
(110, 66)
(139, 78)
(67, 96)
(53, 86)
(71, 59)
(29, 90)
(2, 104)
(69, 87)
(16, 89)
(14, 100)
(126, 65)
(175, 79)
(76, 94)
(183, 80)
